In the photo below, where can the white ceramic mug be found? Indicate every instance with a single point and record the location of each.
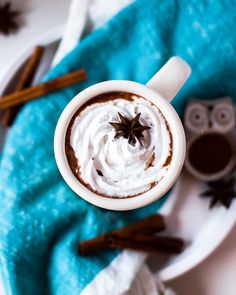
(159, 90)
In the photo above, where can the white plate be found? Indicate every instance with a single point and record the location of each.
(187, 214)
(8, 78)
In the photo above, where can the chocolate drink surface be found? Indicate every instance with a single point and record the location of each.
(210, 153)
(119, 145)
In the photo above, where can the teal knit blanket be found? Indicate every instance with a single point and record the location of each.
(41, 219)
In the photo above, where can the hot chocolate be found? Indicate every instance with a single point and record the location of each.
(210, 153)
(119, 145)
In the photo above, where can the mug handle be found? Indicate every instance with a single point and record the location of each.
(170, 78)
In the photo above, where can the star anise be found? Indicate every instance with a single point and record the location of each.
(130, 129)
(8, 23)
(222, 191)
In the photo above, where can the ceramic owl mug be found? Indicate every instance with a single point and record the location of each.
(159, 91)
(211, 137)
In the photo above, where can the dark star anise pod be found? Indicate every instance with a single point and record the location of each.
(8, 23)
(130, 129)
(221, 191)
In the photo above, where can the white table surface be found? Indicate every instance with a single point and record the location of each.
(216, 275)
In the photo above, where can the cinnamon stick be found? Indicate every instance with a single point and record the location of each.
(24, 81)
(149, 225)
(42, 89)
(146, 243)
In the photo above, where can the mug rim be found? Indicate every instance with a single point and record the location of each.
(176, 129)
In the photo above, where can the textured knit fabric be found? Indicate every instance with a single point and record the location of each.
(41, 218)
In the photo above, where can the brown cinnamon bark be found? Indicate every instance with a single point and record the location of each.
(42, 89)
(146, 243)
(25, 80)
(149, 225)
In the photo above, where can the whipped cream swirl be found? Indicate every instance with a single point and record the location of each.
(111, 166)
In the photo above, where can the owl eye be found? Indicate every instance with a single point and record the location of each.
(196, 117)
(223, 117)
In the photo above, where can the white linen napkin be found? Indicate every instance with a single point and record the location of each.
(85, 16)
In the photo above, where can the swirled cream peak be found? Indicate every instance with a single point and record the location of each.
(111, 166)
